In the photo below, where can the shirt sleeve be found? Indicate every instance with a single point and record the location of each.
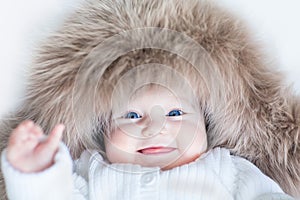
(56, 182)
(252, 184)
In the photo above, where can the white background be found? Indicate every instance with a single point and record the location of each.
(24, 23)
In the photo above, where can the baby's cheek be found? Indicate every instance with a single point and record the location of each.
(172, 126)
(191, 134)
(119, 140)
(119, 150)
(127, 128)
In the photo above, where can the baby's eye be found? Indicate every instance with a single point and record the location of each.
(132, 115)
(173, 113)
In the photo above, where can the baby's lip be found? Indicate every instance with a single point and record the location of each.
(156, 150)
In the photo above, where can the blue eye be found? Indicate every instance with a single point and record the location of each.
(174, 113)
(132, 115)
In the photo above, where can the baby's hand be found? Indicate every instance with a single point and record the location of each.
(29, 150)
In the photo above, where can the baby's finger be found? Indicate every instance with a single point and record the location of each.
(55, 137)
(19, 134)
(37, 131)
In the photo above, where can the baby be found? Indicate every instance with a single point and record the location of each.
(138, 100)
(156, 149)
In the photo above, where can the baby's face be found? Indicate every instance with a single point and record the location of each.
(157, 128)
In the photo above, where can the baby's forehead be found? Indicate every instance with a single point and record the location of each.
(151, 94)
(156, 82)
(160, 91)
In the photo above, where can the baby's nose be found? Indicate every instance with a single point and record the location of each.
(156, 122)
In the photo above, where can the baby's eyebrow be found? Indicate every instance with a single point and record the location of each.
(189, 103)
(185, 100)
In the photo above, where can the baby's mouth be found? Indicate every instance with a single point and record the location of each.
(156, 150)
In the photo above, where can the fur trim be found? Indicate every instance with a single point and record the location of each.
(246, 106)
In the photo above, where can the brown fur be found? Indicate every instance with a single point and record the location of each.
(247, 107)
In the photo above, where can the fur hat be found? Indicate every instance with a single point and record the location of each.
(246, 105)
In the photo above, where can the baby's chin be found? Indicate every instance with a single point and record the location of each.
(167, 163)
(164, 161)
(180, 162)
